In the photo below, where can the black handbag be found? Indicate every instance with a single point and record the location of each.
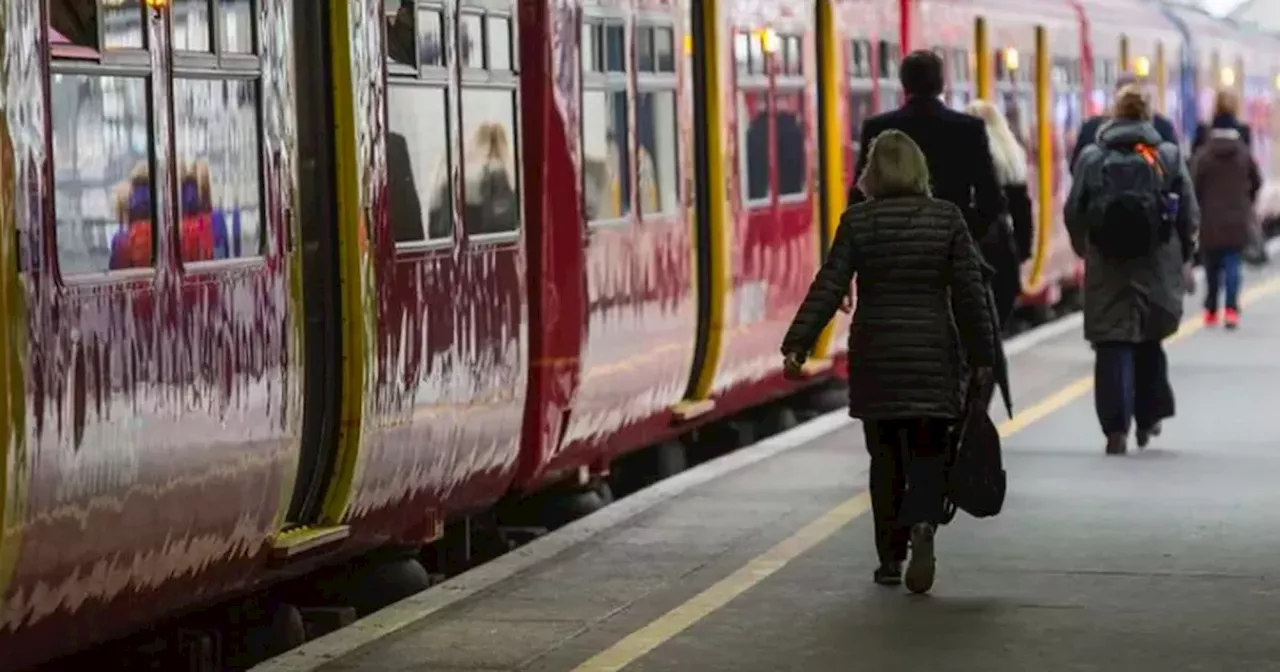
(976, 480)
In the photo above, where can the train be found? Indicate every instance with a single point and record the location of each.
(291, 282)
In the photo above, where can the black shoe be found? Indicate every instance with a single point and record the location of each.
(923, 565)
(1145, 435)
(1117, 444)
(888, 574)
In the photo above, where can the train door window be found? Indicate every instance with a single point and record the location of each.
(102, 129)
(789, 146)
(860, 59)
(888, 60)
(217, 126)
(606, 129)
(657, 127)
(753, 125)
(419, 156)
(490, 161)
(191, 25)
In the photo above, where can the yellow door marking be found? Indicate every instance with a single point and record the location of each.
(662, 629)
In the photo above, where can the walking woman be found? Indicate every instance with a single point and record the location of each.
(921, 326)
(1008, 242)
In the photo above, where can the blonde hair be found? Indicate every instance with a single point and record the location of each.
(1009, 156)
(1132, 104)
(1226, 102)
(895, 167)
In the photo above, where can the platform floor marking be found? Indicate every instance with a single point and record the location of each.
(664, 628)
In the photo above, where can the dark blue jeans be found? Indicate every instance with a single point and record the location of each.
(1131, 383)
(1222, 272)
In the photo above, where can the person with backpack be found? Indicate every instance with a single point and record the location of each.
(1227, 182)
(1133, 217)
(922, 328)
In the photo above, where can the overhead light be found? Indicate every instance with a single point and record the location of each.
(1142, 66)
(1011, 59)
(1228, 77)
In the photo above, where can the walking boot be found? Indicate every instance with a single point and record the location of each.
(1145, 435)
(1117, 443)
(923, 565)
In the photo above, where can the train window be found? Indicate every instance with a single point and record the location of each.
(664, 49)
(742, 52)
(236, 29)
(755, 49)
(793, 62)
(888, 59)
(789, 143)
(103, 184)
(471, 41)
(592, 43)
(606, 161)
(615, 48)
(418, 175)
(191, 25)
(644, 49)
(220, 169)
(490, 181)
(74, 27)
(498, 41)
(753, 125)
(860, 59)
(656, 159)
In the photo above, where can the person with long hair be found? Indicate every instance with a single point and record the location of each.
(1133, 217)
(1008, 243)
(921, 328)
(1227, 182)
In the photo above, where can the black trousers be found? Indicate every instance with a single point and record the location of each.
(1131, 383)
(908, 478)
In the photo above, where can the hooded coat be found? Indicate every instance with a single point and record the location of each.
(1132, 300)
(1226, 182)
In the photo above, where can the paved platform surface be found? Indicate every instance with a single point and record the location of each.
(1165, 559)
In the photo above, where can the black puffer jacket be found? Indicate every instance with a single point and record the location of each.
(922, 317)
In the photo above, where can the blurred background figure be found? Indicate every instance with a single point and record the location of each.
(491, 205)
(1227, 182)
(1008, 244)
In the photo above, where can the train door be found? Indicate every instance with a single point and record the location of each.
(637, 243)
(889, 88)
(448, 366)
(161, 324)
(773, 237)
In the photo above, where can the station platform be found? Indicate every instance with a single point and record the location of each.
(1163, 559)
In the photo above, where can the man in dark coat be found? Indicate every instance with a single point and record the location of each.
(954, 144)
(1131, 305)
(1089, 131)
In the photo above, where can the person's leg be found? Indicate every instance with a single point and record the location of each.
(1113, 392)
(1212, 285)
(928, 448)
(888, 483)
(1231, 263)
(1153, 399)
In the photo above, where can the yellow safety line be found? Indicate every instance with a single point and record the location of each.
(718, 237)
(662, 629)
(351, 251)
(830, 72)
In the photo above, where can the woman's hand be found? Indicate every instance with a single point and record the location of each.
(792, 366)
(846, 304)
(1189, 278)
